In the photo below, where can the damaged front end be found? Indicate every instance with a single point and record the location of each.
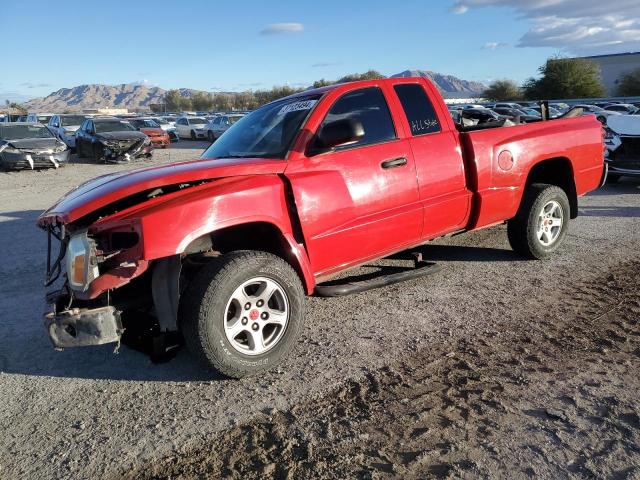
(13, 157)
(82, 312)
(125, 150)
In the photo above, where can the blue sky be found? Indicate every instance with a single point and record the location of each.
(213, 45)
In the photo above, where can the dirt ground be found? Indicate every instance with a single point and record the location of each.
(493, 368)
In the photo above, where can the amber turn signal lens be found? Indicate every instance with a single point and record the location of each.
(78, 269)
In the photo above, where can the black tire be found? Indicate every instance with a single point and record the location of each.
(193, 135)
(613, 178)
(79, 152)
(210, 136)
(96, 153)
(522, 229)
(203, 310)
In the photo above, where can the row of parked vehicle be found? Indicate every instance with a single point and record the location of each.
(46, 140)
(523, 112)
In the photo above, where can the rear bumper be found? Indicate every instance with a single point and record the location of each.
(83, 327)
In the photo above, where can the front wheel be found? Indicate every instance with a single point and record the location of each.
(242, 313)
(541, 223)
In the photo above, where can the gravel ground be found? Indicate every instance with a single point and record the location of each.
(494, 367)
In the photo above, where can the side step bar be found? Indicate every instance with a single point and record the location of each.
(420, 269)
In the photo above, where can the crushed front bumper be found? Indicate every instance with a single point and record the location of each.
(81, 327)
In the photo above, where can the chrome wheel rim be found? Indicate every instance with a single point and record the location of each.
(550, 221)
(256, 316)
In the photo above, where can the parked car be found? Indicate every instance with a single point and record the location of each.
(65, 126)
(553, 113)
(30, 145)
(482, 115)
(168, 126)
(225, 247)
(507, 105)
(600, 113)
(159, 138)
(515, 114)
(220, 124)
(561, 107)
(624, 108)
(42, 118)
(622, 138)
(112, 140)
(191, 127)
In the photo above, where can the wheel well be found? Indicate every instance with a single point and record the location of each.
(558, 172)
(261, 236)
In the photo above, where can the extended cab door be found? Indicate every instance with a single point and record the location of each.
(358, 201)
(439, 163)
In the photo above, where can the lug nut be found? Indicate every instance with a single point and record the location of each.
(255, 327)
(264, 315)
(259, 303)
(247, 306)
(244, 320)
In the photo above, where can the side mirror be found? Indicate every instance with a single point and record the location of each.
(337, 134)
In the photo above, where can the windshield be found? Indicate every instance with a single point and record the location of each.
(530, 111)
(74, 120)
(44, 118)
(234, 119)
(197, 121)
(267, 132)
(17, 132)
(113, 126)
(160, 121)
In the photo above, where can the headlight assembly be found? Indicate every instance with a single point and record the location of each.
(82, 264)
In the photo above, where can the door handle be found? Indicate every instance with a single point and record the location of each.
(394, 162)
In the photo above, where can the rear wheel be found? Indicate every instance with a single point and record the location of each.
(79, 152)
(193, 135)
(97, 153)
(541, 223)
(243, 312)
(210, 136)
(613, 178)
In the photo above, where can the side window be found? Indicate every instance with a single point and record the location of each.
(216, 121)
(418, 109)
(370, 108)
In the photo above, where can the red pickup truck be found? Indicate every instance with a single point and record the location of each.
(225, 247)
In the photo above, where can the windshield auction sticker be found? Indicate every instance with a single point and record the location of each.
(297, 106)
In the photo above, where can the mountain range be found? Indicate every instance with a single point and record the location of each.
(140, 97)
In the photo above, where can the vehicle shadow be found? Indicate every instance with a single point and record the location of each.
(25, 348)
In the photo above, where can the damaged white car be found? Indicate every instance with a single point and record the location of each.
(622, 139)
(30, 145)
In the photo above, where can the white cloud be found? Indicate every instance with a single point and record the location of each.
(459, 9)
(581, 27)
(494, 45)
(282, 28)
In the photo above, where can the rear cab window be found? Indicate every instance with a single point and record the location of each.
(418, 108)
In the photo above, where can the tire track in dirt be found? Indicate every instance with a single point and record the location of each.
(555, 396)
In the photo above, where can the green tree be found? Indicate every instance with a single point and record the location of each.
(368, 75)
(172, 99)
(201, 101)
(629, 85)
(565, 78)
(503, 90)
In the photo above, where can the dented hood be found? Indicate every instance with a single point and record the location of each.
(107, 189)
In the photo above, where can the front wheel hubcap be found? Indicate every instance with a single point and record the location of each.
(269, 315)
(550, 221)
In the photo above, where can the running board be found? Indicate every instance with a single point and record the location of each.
(420, 269)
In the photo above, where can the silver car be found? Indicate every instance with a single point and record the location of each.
(65, 127)
(221, 124)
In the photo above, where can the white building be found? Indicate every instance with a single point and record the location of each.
(614, 66)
